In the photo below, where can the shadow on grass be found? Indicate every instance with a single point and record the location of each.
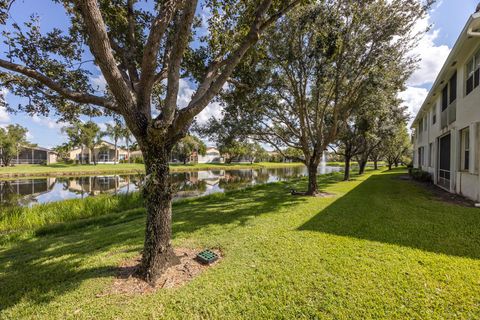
(37, 270)
(385, 209)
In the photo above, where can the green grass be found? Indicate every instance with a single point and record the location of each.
(382, 248)
(353, 163)
(75, 169)
(17, 220)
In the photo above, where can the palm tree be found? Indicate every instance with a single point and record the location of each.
(91, 138)
(127, 135)
(116, 132)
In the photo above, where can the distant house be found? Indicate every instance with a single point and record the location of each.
(212, 155)
(103, 153)
(34, 155)
(447, 127)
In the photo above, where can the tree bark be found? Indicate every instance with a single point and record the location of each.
(375, 164)
(158, 252)
(346, 174)
(361, 166)
(312, 178)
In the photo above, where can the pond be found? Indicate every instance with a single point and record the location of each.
(28, 192)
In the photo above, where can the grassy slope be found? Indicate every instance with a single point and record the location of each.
(383, 248)
(61, 168)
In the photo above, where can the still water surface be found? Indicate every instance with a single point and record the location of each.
(28, 192)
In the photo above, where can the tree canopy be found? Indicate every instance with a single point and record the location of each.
(13, 138)
(143, 50)
(314, 68)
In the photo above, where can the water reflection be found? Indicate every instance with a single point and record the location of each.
(27, 192)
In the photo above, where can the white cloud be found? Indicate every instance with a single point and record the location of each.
(213, 109)
(185, 93)
(413, 98)
(432, 56)
(98, 82)
(49, 123)
(29, 135)
(4, 116)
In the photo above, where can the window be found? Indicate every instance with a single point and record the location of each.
(421, 155)
(445, 98)
(430, 155)
(476, 74)
(453, 88)
(465, 149)
(103, 156)
(473, 73)
(434, 117)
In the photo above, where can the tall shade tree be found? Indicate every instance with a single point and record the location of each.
(186, 146)
(397, 146)
(143, 49)
(313, 68)
(377, 115)
(91, 137)
(13, 138)
(74, 135)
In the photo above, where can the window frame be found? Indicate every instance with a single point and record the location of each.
(472, 73)
(430, 155)
(452, 88)
(465, 146)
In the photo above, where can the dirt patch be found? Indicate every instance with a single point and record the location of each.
(441, 194)
(128, 283)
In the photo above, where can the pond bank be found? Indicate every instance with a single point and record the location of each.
(61, 169)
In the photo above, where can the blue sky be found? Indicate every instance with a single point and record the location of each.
(448, 18)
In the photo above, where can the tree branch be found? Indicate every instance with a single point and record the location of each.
(180, 42)
(102, 51)
(51, 84)
(214, 81)
(152, 47)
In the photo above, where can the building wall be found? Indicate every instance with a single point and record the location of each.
(75, 154)
(467, 115)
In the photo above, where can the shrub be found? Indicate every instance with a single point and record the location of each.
(420, 175)
(138, 160)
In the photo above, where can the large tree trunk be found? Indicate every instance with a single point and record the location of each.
(362, 163)
(375, 164)
(346, 174)
(158, 252)
(312, 178)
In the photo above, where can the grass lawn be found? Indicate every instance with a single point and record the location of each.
(382, 248)
(75, 169)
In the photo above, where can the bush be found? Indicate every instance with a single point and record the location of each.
(138, 160)
(420, 175)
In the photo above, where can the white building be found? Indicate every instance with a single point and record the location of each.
(212, 155)
(447, 127)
